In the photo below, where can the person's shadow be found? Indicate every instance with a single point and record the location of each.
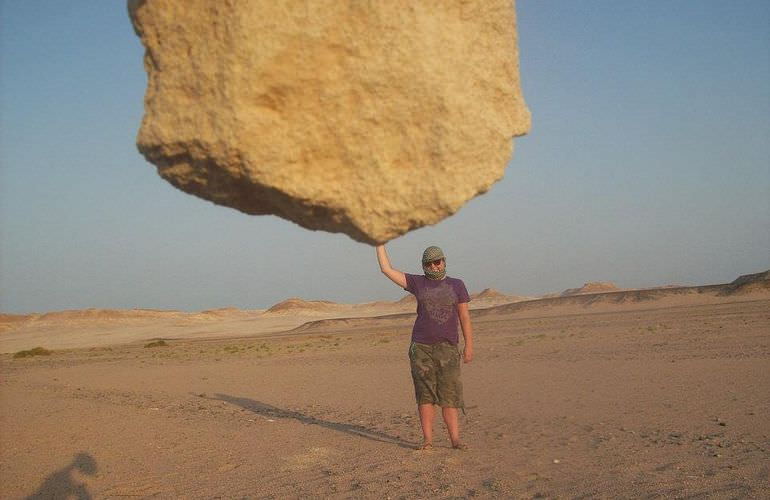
(268, 411)
(62, 483)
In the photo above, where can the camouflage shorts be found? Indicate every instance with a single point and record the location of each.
(436, 374)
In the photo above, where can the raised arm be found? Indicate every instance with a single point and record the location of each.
(394, 275)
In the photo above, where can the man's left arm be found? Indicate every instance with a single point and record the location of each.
(465, 324)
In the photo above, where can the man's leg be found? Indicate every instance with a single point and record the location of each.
(426, 420)
(450, 390)
(452, 422)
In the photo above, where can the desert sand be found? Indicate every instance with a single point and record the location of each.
(622, 394)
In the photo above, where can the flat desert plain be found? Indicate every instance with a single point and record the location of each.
(610, 395)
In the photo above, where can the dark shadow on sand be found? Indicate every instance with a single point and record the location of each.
(268, 411)
(62, 483)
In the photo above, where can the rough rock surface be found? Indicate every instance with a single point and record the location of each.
(367, 118)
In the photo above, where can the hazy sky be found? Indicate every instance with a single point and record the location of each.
(648, 163)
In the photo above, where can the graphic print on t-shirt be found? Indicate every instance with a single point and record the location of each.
(439, 302)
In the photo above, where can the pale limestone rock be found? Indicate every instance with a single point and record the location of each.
(370, 118)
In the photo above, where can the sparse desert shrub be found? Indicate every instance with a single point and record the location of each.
(492, 484)
(157, 343)
(37, 351)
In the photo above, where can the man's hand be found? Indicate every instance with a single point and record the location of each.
(468, 354)
(465, 322)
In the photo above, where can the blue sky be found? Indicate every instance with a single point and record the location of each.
(648, 163)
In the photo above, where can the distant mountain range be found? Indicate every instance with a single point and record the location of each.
(589, 293)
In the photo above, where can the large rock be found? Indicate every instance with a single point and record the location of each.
(370, 118)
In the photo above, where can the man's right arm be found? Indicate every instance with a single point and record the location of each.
(395, 275)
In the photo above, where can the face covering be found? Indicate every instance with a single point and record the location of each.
(429, 255)
(435, 275)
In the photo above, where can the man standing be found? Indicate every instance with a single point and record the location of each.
(442, 304)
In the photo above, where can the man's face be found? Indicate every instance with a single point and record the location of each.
(436, 265)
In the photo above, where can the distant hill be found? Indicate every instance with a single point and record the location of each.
(758, 283)
(488, 293)
(407, 300)
(297, 305)
(487, 301)
(749, 283)
(490, 297)
(591, 287)
(78, 316)
(103, 314)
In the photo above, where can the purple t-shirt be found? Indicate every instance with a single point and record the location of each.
(436, 308)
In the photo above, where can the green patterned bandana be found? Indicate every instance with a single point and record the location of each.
(434, 275)
(429, 255)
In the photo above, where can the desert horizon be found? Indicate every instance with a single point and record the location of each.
(92, 327)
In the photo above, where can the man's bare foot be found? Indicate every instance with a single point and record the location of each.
(425, 446)
(459, 446)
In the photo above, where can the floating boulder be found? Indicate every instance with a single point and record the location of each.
(366, 118)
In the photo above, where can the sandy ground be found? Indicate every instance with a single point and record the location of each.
(666, 398)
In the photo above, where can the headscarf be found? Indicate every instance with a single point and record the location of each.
(431, 254)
